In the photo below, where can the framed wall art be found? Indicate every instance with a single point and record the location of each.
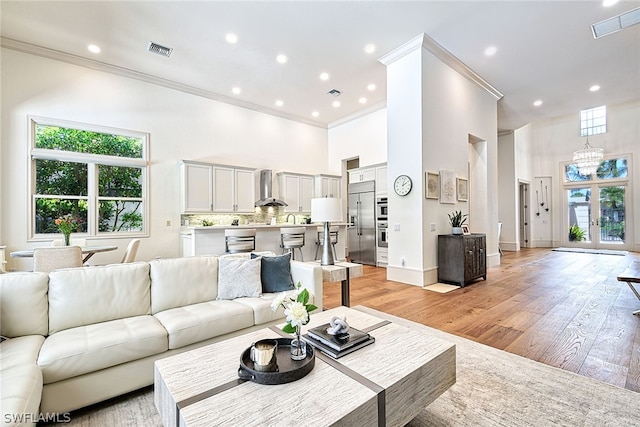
(463, 189)
(431, 185)
(447, 187)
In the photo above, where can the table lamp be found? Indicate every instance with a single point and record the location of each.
(326, 209)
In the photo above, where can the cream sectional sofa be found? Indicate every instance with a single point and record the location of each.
(79, 336)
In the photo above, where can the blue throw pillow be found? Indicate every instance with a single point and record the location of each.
(275, 273)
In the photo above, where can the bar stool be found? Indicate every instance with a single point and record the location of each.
(333, 236)
(292, 238)
(239, 240)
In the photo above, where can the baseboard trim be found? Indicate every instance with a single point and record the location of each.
(412, 276)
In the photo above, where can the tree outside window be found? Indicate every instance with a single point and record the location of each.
(96, 177)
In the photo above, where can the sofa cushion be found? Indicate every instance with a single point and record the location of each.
(239, 278)
(261, 307)
(275, 273)
(20, 351)
(197, 322)
(84, 349)
(119, 290)
(20, 379)
(24, 309)
(183, 281)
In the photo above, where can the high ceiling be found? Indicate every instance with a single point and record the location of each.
(545, 49)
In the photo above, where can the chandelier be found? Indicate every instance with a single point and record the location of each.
(588, 159)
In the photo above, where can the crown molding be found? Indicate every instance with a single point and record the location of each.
(136, 75)
(423, 41)
(358, 114)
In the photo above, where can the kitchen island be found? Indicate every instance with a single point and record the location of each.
(201, 240)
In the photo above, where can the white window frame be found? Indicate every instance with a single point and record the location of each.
(589, 116)
(93, 161)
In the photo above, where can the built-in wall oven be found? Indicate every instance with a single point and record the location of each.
(382, 211)
(381, 208)
(383, 234)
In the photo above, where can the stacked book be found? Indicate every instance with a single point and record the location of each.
(337, 345)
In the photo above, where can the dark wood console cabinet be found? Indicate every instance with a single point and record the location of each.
(462, 258)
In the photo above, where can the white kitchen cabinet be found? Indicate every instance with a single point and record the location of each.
(197, 187)
(377, 173)
(381, 180)
(362, 174)
(296, 191)
(233, 190)
(245, 190)
(327, 186)
(216, 188)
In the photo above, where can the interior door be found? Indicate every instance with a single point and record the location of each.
(596, 216)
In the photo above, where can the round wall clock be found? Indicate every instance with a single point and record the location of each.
(402, 185)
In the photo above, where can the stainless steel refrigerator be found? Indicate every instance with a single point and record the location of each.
(362, 228)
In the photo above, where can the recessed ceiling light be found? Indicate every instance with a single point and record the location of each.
(336, 104)
(370, 48)
(371, 87)
(324, 76)
(93, 48)
(607, 3)
(490, 51)
(236, 90)
(231, 38)
(362, 100)
(279, 103)
(594, 88)
(315, 114)
(282, 59)
(537, 103)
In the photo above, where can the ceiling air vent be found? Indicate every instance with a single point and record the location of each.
(160, 50)
(334, 92)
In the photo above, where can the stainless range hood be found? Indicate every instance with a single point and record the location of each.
(266, 198)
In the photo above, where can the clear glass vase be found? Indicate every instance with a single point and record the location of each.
(298, 346)
(67, 239)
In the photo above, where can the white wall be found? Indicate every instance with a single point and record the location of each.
(553, 141)
(434, 114)
(364, 137)
(538, 149)
(181, 126)
(507, 188)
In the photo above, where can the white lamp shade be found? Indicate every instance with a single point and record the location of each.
(326, 209)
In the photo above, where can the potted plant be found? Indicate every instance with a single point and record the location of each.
(576, 234)
(457, 220)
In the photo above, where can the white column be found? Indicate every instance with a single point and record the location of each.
(436, 108)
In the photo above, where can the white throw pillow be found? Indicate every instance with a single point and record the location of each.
(239, 278)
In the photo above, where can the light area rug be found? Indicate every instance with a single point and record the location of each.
(591, 251)
(441, 288)
(493, 388)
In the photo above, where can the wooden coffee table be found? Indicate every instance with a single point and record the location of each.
(386, 383)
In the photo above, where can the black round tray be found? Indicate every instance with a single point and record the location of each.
(288, 370)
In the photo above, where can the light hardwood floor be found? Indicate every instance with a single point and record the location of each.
(563, 309)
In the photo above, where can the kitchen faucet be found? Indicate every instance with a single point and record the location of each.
(294, 218)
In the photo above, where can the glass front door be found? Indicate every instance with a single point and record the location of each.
(596, 222)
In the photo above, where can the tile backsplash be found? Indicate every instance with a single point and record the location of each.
(260, 216)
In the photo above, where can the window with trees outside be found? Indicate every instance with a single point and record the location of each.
(94, 174)
(599, 199)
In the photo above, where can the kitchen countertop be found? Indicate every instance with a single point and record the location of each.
(188, 228)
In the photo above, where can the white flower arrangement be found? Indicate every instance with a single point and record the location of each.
(296, 308)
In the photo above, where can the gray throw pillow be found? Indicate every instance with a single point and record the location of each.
(238, 278)
(275, 273)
